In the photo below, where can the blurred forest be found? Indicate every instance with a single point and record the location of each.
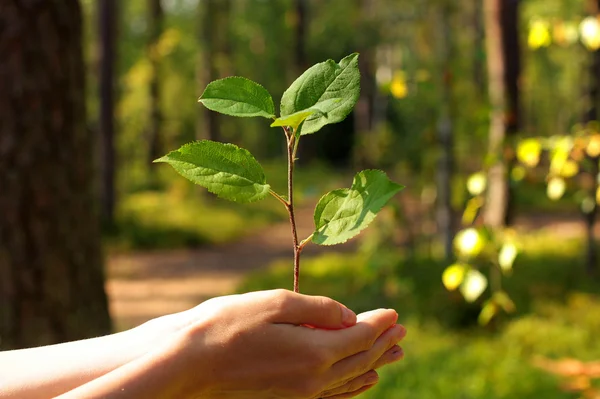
(486, 110)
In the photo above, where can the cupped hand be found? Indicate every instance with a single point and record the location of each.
(259, 345)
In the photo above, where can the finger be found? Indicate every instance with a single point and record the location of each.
(392, 355)
(358, 338)
(369, 378)
(357, 364)
(352, 394)
(316, 311)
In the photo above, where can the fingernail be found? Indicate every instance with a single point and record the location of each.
(402, 331)
(372, 379)
(397, 353)
(348, 317)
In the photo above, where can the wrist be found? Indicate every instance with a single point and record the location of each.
(187, 360)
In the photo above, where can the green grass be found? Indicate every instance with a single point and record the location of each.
(172, 213)
(447, 354)
(172, 219)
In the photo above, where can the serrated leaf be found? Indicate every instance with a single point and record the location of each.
(294, 120)
(224, 169)
(237, 96)
(342, 214)
(321, 82)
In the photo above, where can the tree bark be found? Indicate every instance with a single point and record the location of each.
(591, 114)
(308, 148)
(363, 111)
(51, 276)
(156, 18)
(301, 62)
(207, 126)
(478, 49)
(106, 26)
(445, 137)
(504, 65)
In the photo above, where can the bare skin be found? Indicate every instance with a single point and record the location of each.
(270, 344)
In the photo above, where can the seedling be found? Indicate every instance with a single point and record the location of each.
(326, 93)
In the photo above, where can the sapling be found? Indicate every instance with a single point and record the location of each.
(326, 93)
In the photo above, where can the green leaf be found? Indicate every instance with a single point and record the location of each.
(474, 284)
(453, 276)
(294, 120)
(224, 169)
(342, 214)
(238, 96)
(321, 82)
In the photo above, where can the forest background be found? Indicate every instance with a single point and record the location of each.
(486, 110)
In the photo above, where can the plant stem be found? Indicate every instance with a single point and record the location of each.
(279, 198)
(290, 205)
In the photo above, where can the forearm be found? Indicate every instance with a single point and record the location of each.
(52, 370)
(158, 374)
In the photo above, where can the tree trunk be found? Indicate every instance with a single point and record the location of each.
(503, 60)
(591, 114)
(445, 137)
(156, 18)
(106, 25)
(207, 126)
(301, 62)
(478, 49)
(363, 112)
(51, 276)
(308, 148)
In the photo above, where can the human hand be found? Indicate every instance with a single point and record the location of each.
(258, 344)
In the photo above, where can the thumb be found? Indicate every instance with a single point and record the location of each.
(315, 311)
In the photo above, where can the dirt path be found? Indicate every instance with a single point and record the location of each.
(145, 285)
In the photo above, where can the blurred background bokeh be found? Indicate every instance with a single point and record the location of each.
(486, 110)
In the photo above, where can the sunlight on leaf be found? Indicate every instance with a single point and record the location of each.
(473, 285)
(454, 275)
(472, 209)
(294, 120)
(539, 34)
(593, 147)
(507, 256)
(569, 169)
(477, 183)
(590, 33)
(556, 188)
(469, 242)
(398, 87)
(565, 33)
(528, 152)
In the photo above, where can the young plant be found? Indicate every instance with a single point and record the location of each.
(326, 93)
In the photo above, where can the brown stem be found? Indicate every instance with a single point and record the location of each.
(290, 205)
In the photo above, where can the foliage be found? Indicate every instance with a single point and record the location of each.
(324, 94)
